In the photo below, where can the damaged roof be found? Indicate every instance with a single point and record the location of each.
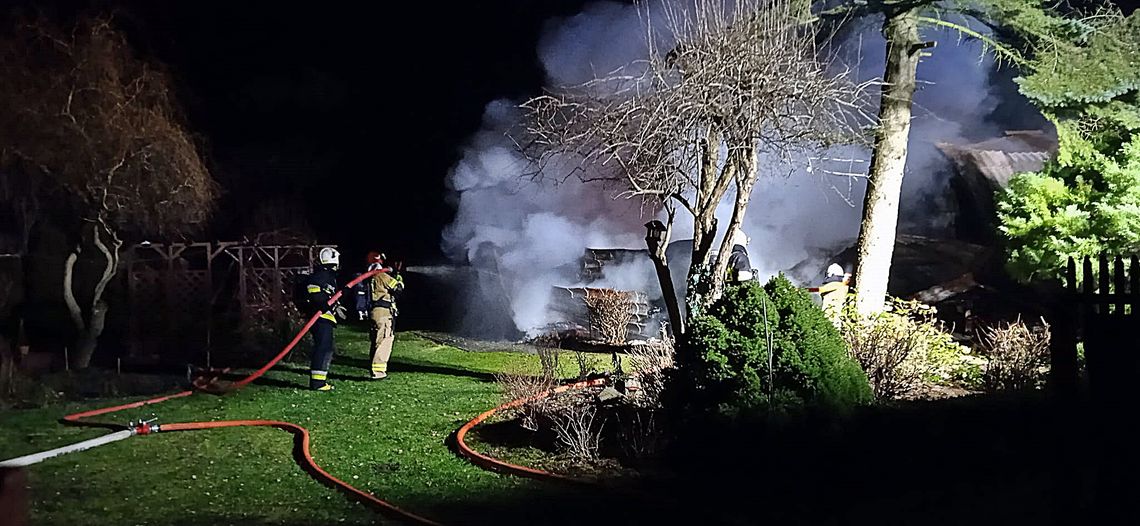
(998, 159)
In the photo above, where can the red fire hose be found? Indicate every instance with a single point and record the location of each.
(147, 428)
(500, 466)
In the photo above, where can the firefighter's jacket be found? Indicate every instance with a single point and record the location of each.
(385, 288)
(322, 287)
(833, 292)
(739, 267)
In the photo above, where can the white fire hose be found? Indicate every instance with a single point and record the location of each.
(36, 458)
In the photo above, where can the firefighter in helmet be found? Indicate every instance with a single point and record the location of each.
(739, 267)
(385, 287)
(833, 291)
(321, 287)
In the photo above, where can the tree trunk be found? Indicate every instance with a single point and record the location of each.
(657, 242)
(745, 181)
(881, 205)
(715, 181)
(88, 338)
(697, 282)
(69, 289)
(90, 328)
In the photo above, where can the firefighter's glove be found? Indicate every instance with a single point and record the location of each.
(340, 312)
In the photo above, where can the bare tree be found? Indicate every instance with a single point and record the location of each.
(722, 86)
(99, 126)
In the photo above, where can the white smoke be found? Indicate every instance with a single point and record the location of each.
(528, 234)
(531, 235)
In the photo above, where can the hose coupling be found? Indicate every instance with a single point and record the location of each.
(144, 427)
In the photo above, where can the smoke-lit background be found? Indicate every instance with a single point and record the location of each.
(523, 236)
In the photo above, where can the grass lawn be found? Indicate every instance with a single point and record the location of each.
(954, 462)
(388, 438)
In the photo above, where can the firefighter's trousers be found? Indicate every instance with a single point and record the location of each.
(322, 352)
(383, 334)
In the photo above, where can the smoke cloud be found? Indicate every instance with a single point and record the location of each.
(530, 235)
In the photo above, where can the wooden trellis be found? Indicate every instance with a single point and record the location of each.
(265, 273)
(179, 292)
(170, 292)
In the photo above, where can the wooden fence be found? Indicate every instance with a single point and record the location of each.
(1111, 288)
(1099, 310)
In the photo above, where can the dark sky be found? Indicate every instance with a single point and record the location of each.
(357, 112)
(353, 114)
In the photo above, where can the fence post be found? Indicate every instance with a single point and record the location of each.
(1102, 283)
(1064, 313)
(1133, 282)
(1118, 284)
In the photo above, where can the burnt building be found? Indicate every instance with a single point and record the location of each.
(984, 168)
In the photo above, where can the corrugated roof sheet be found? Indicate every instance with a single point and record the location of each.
(999, 158)
(999, 166)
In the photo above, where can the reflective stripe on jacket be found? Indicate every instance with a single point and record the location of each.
(384, 290)
(321, 288)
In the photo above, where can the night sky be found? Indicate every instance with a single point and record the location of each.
(355, 114)
(351, 115)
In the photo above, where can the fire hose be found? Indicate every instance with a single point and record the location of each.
(500, 466)
(148, 427)
(36, 458)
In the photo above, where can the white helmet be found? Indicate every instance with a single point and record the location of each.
(834, 270)
(739, 237)
(329, 256)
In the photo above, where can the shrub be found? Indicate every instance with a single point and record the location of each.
(550, 359)
(585, 367)
(650, 363)
(610, 312)
(885, 346)
(523, 387)
(1018, 355)
(725, 354)
(905, 348)
(640, 433)
(1083, 207)
(578, 430)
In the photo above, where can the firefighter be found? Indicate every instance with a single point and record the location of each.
(739, 267)
(361, 304)
(321, 287)
(385, 287)
(833, 291)
(375, 261)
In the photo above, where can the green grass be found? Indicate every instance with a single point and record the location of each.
(390, 439)
(387, 438)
